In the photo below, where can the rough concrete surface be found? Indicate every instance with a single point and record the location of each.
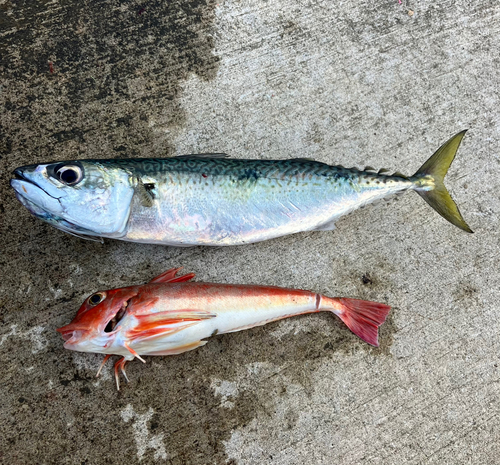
(367, 82)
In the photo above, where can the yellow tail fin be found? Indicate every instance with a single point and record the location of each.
(429, 182)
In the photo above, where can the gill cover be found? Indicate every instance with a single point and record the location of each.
(92, 329)
(81, 196)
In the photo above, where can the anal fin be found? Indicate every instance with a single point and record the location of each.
(329, 226)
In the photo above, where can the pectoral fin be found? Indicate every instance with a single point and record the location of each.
(145, 193)
(166, 323)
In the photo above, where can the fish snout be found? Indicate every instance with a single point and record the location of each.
(18, 173)
(23, 172)
(71, 333)
(67, 335)
(18, 180)
(66, 332)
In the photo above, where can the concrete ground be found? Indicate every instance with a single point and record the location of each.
(367, 82)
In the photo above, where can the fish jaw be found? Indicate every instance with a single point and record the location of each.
(80, 339)
(25, 191)
(86, 341)
(38, 202)
(98, 205)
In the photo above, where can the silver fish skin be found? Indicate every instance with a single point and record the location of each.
(210, 200)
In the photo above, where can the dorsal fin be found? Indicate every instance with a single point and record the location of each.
(369, 168)
(169, 277)
(204, 155)
(383, 170)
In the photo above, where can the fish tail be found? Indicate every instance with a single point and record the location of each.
(362, 317)
(429, 182)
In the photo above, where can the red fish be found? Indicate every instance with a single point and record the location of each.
(170, 315)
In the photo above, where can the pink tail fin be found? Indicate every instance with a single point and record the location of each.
(363, 317)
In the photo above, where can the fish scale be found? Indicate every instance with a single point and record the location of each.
(246, 200)
(210, 200)
(171, 315)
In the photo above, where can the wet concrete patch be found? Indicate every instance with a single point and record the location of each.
(87, 80)
(99, 80)
(78, 80)
(360, 83)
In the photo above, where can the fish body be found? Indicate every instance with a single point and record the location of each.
(170, 315)
(211, 200)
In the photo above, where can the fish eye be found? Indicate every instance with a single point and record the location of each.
(69, 174)
(96, 298)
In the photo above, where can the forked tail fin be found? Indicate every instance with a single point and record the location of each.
(362, 317)
(429, 182)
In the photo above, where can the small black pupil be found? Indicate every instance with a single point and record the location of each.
(69, 176)
(95, 299)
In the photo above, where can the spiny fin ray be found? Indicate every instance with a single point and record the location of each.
(169, 276)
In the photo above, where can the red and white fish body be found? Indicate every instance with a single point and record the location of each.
(170, 315)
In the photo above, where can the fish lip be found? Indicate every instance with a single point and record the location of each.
(33, 207)
(71, 335)
(43, 213)
(67, 335)
(19, 176)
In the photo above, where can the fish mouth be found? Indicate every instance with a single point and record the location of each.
(67, 331)
(19, 176)
(43, 205)
(66, 335)
(69, 337)
(70, 334)
(27, 190)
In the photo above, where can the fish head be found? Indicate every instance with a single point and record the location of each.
(98, 321)
(80, 197)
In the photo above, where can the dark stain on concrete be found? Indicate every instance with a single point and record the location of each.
(115, 76)
(366, 279)
(113, 92)
(466, 293)
(99, 80)
(117, 70)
